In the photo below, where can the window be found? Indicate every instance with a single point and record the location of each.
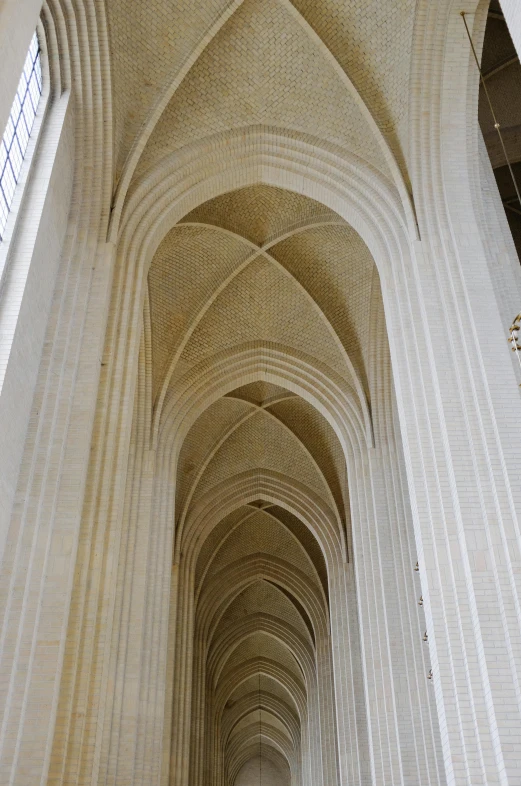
(16, 136)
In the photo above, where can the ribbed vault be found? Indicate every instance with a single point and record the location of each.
(262, 510)
(259, 173)
(248, 405)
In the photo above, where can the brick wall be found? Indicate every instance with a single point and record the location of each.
(27, 289)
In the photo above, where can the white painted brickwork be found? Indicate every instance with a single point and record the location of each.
(239, 405)
(512, 11)
(28, 282)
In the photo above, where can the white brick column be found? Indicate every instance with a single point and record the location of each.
(459, 442)
(402, 728)
(351, 719)
(324, 703)
(38, 568)
(459, 410)
(30, 262)
(512, 13)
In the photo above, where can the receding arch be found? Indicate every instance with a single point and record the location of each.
(256, 253)
(167, 94)
(272, 363)
(295, 689)
(273, 487)
(237, 707)
(273, 704)
(232, 529)
(250, 752)
(269, 732)
(239, 575)
(301, 650)
(254, 410)
(184, 402)
(341, 181)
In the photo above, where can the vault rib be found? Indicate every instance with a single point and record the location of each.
(233, 428)
(262, 251)
(139, 144)
(154, 117)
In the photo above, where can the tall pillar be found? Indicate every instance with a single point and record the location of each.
(458, 404)
(512, 14)
(460, 441)
(328, 730)
(351, 719)
(39, 562)
(402, 726)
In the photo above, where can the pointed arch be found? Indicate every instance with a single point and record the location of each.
(170, 90)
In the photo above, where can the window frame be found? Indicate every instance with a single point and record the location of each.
(20, 123)
(26, 170)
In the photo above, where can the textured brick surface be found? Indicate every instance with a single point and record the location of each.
(512, 14)
(31, 263)
(247, 414)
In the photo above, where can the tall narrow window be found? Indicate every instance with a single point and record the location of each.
(16, 136)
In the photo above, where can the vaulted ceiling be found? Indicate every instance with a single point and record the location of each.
(260, 469)
(260, 267)
(185, 71)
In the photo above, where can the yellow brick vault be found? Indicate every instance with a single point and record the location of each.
(255, 293)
